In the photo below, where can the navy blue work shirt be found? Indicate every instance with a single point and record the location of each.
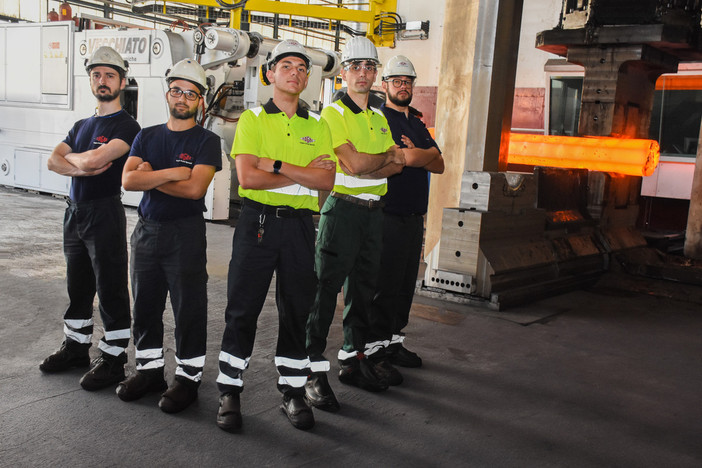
(408, 191)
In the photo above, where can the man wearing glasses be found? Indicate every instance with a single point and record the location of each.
(350, 230)
(94, 228)
(283, 156)
(173, 164)
(405, 206)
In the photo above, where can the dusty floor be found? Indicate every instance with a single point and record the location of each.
(610, 376)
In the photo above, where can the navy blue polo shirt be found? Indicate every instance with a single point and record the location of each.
(163, 149)
(91, 133)
(408, 191)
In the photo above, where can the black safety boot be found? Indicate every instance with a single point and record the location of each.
(359, 372)
(105, 370)
(401, 356)
(179, 395)
(229, 413)
(319, 394)
(71, 354)
(298, 413)
(385, 371)
(141, 383)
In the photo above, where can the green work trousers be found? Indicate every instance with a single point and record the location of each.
(349, 244)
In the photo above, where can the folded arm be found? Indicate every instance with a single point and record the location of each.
(357, 163)
(90, 163)
(138, 175)
(257, 173)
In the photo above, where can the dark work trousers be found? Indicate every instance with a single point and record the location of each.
(95, 247)
(349, 243)
(399, 265)
(170, 257)
(286, 248)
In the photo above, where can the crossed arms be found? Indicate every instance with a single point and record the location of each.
(257, 173)
(88, 163)
(181, 182)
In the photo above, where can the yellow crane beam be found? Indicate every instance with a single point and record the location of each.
(331, 12)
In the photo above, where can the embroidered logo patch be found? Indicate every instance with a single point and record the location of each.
(307, 140)
(383, 130)
(184, 158)
(101, 139)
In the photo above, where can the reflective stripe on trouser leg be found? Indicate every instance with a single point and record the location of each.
(249, 277)
(190, 368)
(115, 342)
(230, 370)
(149, 358)
(296, 284)
(293, 372)
(319, 366)
(80, 331)
(397, 339)
(344, 355)
(375, 347)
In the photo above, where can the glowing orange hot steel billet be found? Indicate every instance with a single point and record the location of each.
(607, 154)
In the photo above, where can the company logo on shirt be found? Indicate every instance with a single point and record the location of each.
(101, 140)
(184, 158)
(307, 140)
(383, 130)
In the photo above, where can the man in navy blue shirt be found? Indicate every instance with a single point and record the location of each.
(405, 206)
(94, 228)
(173, 164)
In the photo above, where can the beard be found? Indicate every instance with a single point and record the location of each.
(108, 97)
(401, 102)
(183, 114)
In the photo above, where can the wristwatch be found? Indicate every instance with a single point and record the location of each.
(276, 166)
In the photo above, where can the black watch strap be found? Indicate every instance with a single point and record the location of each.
(276, 166)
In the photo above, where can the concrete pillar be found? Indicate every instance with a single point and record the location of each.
(474, 102)
(693, 233)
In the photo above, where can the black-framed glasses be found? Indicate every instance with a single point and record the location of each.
(396, 82)
(358, 66)
(189, 95)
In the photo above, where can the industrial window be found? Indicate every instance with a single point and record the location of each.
(675, 117)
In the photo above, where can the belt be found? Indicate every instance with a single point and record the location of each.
(370, 204)
(93, 202)
(278, 211)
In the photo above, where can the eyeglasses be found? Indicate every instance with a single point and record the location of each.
(398, 83)
(177, 92)
(357, 66)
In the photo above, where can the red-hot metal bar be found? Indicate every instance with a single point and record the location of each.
(636, 157)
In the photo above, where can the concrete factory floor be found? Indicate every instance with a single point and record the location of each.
(609, 376)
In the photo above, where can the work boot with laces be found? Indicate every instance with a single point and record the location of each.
(71, 354)
(105, 370)
(141, 383)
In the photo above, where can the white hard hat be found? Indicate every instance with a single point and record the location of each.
(286, 48)
(189, 70)
(359, 48)
(106, 56)
(399, 65)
